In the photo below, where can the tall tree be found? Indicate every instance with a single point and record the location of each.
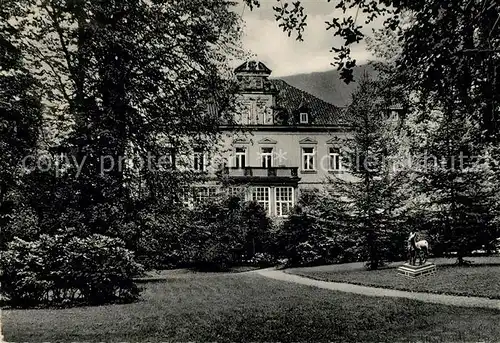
(453, 172)
(20, 121)
(446, 45)
(129, 79)
(455, 181)
(371, 194)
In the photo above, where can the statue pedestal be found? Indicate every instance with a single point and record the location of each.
(415, 271)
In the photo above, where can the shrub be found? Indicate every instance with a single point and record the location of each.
(303, 241)
(257, 229)
(157, 244)
(317, 233)
(262, 260)
(215, 239)
(225, 233)
(20, 221)
(66, 270)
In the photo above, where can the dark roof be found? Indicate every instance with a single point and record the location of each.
(253, 67)
(294, 100)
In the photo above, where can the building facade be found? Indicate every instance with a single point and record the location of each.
(285, 142)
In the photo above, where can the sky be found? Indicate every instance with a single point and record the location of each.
(285, 55)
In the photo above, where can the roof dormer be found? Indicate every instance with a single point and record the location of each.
(303, 112)
(304, 117)
(253, 67)
(252, 75)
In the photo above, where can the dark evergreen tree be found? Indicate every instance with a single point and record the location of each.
(452, 147)
(455, 180)
(370, 192)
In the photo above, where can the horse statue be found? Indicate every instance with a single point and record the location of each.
(417, 247)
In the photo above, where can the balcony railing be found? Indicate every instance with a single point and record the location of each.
(261, 172)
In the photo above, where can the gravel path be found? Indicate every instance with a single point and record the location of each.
(382, 292)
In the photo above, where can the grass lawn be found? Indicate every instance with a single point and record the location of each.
(481, 279)
(249, 307)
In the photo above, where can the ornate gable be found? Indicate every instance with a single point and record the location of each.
(241, 141)
(334, 140)
(308, 140)
(267, 141)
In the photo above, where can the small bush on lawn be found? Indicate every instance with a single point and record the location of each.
(262, 260)
(61, 270)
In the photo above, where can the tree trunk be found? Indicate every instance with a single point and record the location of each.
(373, 251)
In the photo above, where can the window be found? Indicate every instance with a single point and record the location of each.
(308, 157)
(284, 201)
(168, 162)
(237, 192)
(184, 196)
(393, 115)
(205, 193)
(334, 159)
(199, 160)
(268, 116)
(170, 159)
(248, 113)
(257, 82)
(164, 162)
(304, 118)
(261, 196)
(266, 156)
(240, 158)
(253, 113)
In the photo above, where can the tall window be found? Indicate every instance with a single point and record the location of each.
(199, 160)
(170, 159)
(308, 159)
(268, 116)
(167, 161)
(185, 196)
(304, 118)
(248, 116)
(253, 114)
(240, 158)
(334, 159)
(237, 192)
(393, 115)
(257, 82)
(266, 156)
(261, 195)
(284, 201)
(204, 193)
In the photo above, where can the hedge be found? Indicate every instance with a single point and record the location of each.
(62, 270)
